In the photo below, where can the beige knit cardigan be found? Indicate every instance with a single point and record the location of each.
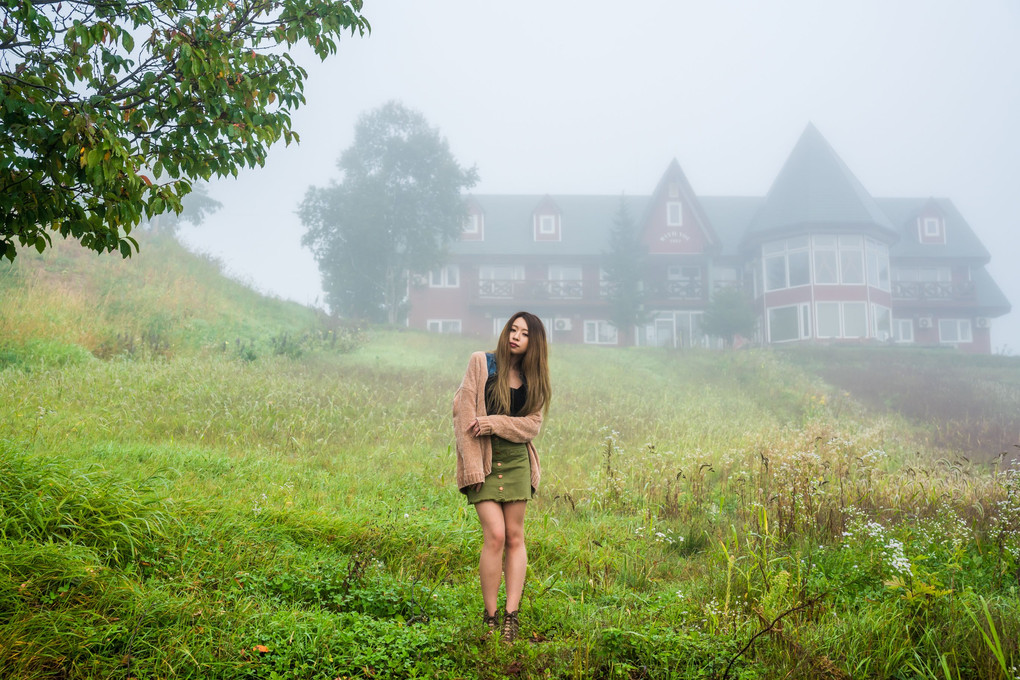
(474, 454)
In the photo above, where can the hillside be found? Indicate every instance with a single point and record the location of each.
(255, 496)
(163, 301)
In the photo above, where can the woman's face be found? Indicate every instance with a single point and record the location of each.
(518, 337)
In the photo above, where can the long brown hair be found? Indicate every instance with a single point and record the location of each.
(534, 367)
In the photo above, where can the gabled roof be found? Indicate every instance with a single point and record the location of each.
(815, 190)
(961, 241)
(675, 175)
(586, 222)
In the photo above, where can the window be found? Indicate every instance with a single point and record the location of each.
(903, 330)
(560, 272)
(445, 277)
(828, 314)
(497, 280)
(881, 325)
(845, 319)
(931, 229)
(674, 214)
(878, 264)
(473, 224)
(546, 224)
(784, 324)
(923, 274)
(855, 320)
(851, 260)
(786, 264)
(953, 331)
(565, 281)
(826, 260)
(443, 326)
(600, 333)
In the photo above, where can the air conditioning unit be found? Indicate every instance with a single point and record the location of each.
(562, 324)
(982, 322)
(924, 322)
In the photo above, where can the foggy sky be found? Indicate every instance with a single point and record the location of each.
(918, 97)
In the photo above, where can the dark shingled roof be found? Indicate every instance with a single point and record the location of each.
(961, 241)
(585, 225)
(816, 190)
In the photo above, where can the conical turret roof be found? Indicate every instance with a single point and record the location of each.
(816, 191)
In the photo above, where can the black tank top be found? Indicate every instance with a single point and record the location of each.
(518, 396)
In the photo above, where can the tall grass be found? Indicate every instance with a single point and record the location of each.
(211, 512)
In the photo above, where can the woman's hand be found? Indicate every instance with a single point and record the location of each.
(477, 487)
(475, 428)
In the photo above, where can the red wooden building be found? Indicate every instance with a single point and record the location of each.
(823, 260)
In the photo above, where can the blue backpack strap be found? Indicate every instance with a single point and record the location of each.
(490, 359)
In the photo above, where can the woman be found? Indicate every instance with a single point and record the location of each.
(497, 411)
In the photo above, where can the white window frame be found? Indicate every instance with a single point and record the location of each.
(560, 272)
(852, 245)
(451, 326)
(781, 251)
(445, 277)
(877, 311)
(803, 315)
(547, 225)
(473, 224)
(963, 330)
(596, 329)
(877, 265)
(855, 305)
(486, 272)
(903, 330)
(674, 214)
(839, 319)
(931, 227)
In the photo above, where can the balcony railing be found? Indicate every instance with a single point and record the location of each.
(933, 291)
(546, 289)
(686, 289)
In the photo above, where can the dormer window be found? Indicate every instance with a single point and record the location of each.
(547, 226)
(931, 229)
(674, 214)
(473, 228)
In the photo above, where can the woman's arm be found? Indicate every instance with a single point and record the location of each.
(518, 429)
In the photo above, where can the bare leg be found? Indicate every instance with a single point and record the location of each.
(516, 564)
(490, 564)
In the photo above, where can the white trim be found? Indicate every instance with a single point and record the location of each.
(903, 330)
(674, 214)
(594, 329)
(445, 277)
(473, 224)
(452, 326)
(961, 330)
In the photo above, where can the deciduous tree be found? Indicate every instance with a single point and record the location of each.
(396, 208)
(728, 314)
(111, 108)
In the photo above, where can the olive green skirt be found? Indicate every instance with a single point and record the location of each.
(510, 479)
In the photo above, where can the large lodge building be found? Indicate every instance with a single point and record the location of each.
(823, 260)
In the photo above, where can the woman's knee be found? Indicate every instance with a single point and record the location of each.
(514, 538)
(495, 538)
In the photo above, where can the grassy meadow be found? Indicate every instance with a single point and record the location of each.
(197, 481)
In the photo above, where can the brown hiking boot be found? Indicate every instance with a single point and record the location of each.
(510, 626)
(491, 621)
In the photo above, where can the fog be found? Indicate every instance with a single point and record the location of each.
(918, 97)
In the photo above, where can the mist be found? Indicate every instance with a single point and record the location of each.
(919, 98)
